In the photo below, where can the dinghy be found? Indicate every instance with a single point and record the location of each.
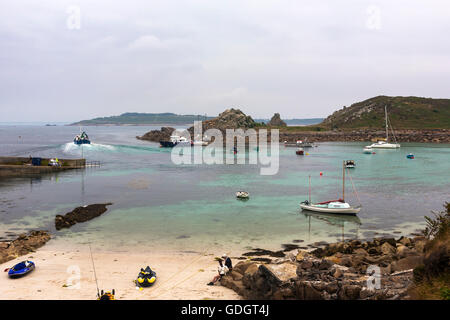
(21, 269)
(242, 195)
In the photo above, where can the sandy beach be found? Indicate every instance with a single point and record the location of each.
(67, 273)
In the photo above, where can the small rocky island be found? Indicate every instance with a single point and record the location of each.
(80, 214)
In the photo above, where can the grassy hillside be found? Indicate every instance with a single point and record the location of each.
(404, 113)
(143, 118)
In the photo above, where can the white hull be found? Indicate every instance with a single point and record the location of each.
(385, 145)
(351, 210)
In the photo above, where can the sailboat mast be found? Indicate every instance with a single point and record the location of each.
(343, 180)
(386, 119)
(309, 189)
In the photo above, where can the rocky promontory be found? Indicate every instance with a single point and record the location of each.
(80, 214)
(337, 271)
(25, 243)
(276, 121)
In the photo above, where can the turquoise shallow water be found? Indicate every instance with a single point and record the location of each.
(193, 207)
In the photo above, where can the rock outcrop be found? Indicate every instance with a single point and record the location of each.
(229, 119)
(157, 135)
(337, 271)
(24, 244)
(276, 121)
(80, 214)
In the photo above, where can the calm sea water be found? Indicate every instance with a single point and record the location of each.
(193, 207)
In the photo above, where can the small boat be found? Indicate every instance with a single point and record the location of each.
(410, 156)
(81, 138)
(332, 206)
(108, 295)
(384, 143)
(200, 143)
(175, 140)
(146, 277)
(350, 164)
(304, 144)
(21, 269)
(368, 150)
(300, 152)
(242, 195)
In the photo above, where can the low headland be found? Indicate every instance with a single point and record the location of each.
(413, 119)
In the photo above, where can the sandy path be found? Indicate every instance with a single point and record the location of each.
(180, 275)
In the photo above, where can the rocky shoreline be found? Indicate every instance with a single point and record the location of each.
(25, 243)
(366, 135)
(429, 136)
(338, 271)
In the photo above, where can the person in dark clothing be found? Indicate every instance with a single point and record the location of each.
(228, 262)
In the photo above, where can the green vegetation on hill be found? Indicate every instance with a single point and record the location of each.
(403, 112)
(142, 118)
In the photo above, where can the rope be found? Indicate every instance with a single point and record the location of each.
(353, 186)
(95, 274)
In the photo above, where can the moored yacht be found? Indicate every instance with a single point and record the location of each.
(384, 143)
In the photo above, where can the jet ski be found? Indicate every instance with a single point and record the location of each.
(21, 269)
(146, 278)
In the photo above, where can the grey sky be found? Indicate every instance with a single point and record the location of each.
(299, 58)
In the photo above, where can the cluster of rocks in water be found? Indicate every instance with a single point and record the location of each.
(24, 244)
(80, 214)
(338, 271)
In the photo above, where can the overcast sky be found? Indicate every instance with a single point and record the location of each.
(299, 58)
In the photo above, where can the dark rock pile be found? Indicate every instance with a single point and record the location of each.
(157, 135)
(80, 214)
(24, 244)
(336, 271)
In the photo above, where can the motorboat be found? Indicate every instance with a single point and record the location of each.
(82, 138)
(300, 152)
(304, 144)
(384, 143)
(410, 156)
(338, 206)
(176, 140)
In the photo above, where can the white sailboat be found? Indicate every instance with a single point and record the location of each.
(332, 206)
(385, 144)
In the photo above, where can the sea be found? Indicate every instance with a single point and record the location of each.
(159, 204)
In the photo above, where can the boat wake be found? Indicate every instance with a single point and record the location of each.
(72, 148)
